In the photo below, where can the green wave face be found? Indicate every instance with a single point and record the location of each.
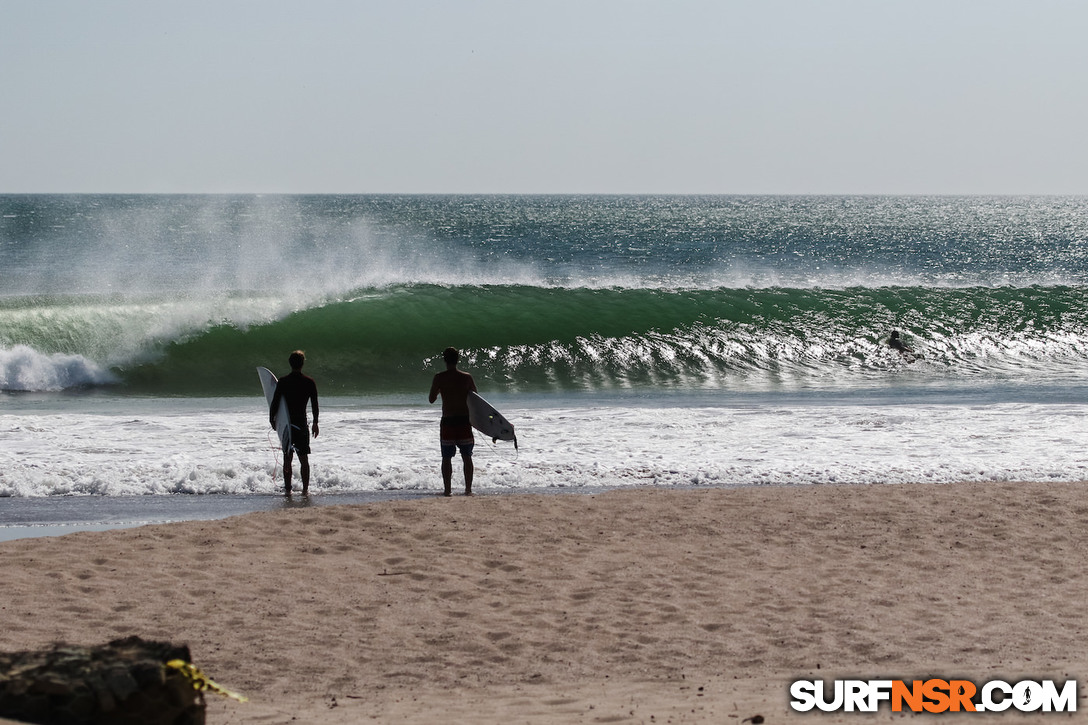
(538, 338)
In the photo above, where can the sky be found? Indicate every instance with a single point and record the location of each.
(511, 96)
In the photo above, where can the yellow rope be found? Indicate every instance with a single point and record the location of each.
(202, 682)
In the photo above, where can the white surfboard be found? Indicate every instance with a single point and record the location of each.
(489, 421)
(283, 418)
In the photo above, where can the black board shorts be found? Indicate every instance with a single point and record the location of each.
(300, 439)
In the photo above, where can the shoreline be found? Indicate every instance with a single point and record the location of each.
(43, 516)
(629, 605)
(26, 517)
(29, 517)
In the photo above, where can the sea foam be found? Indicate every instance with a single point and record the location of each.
(226, 447)
(23, 368)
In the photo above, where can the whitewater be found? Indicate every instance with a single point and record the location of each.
(633, 341)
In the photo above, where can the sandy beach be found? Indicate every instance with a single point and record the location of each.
(641, 606)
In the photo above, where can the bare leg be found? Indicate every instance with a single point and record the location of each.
(288, 458)
(469, 470)
(304, 468)
(447, 474)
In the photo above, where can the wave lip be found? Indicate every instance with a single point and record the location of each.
(24, 369)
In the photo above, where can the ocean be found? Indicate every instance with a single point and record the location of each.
(668, 341)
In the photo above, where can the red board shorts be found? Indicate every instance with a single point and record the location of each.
(455, 433)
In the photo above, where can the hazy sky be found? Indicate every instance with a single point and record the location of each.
(601, 96)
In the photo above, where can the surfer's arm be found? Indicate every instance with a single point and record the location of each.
(313, 407)
(434, 390)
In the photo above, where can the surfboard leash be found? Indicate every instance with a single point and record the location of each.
(275, 458)
(492, 445)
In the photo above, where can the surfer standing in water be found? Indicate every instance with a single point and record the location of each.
(297, 389)
(455, 431)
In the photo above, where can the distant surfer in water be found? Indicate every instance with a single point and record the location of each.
(895, 343)
(455, 431)
(297, 389)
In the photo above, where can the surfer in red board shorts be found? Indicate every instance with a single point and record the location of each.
(455, 431)
(298, 390)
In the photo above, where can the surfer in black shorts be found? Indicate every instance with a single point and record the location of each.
(455, 431)
(297, 389)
